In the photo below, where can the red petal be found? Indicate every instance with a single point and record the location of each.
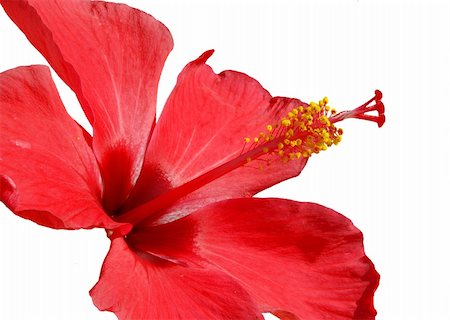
(48, 172)
(135, 287)
(202, 126)
(297, 260)
(111, 55)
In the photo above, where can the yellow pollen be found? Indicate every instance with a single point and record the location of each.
(307, 130)
(301, 132)
(289, 133)
(337, 140)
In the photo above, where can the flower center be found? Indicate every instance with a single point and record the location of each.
(303, 131)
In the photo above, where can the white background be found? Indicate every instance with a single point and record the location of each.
(392, 182)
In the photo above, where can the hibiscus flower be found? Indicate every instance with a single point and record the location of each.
(188, 240)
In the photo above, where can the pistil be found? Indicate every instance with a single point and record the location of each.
(305, 130)
(373, 105)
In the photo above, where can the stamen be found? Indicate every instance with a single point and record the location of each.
(303, 131)
(309, 129)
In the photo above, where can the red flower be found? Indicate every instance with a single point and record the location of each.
(188, 241)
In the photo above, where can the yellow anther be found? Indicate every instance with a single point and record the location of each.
(324, 120)
(302, 132)
(315, 107)
(286, 122)
(289, 133)
(337, 140)
(248, 159)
